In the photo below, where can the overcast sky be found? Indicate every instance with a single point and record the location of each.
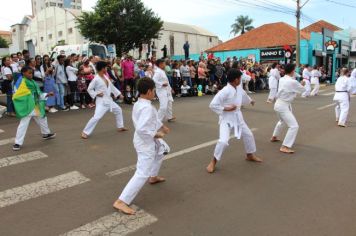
(213, 15)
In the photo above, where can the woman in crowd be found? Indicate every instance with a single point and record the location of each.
(49, 84)
(7, 85)
(71, 73)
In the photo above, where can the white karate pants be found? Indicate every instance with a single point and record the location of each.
(225, 130)
(100, 111)
(165, 111)
(286, 117)
(148, 165)
(24, 123)
(315, 89)
(342, 111)
(272, 94)
(307, 89)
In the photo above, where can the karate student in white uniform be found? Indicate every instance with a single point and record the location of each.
(315, 77)
(164, 92)
(288, 89)
(306, 78)
(227, 104)
(342, 97)
(148, 143)
(101, 89)
(273, 83)
(353, 82)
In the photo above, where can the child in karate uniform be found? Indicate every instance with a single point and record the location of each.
(148, 143)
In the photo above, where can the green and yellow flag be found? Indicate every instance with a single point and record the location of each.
(27, 98)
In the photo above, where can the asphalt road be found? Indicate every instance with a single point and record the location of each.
(66, 186)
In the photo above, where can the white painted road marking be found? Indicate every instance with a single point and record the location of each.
(116, 224)
(327, 106)
(2, 131)
(328, 94)
(7, 141)
(13, 160)
(169, 156)
(40, 188)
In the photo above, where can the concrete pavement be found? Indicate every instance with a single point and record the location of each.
(309, 193)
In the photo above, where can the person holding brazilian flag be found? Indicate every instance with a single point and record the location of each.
(29, 102)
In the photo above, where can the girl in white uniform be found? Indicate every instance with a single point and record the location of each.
(148, 143)
(342, 97)
(227, 104)
(287, 90)
(273, 83)
(315, 77)
(101, 89)
(306, 78)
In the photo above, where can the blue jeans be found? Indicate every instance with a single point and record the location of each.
(9, 103)
(60, 95)
(189, 80)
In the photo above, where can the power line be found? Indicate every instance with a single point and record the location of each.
(341, 4)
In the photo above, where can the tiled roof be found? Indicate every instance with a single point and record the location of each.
(265, 36)
(3, 32)
(318, 26)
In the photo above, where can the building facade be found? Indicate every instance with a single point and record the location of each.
(18, 34)
(50, 27)
(39, 5)
(174, 36)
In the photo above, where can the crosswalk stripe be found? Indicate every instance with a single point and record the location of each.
(7, 141)
(13, 160)
(169, 156)
(326, 106)
(328, 94)
(40, 188)
(116, 224)
(2, 131)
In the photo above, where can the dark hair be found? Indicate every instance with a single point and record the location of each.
(274, 65)
(46, 66)
(235, 65)
(144, 85)
(233, 74)
(60, 57)
(306, 65)
(315, 67)
(73, 55)
(25, 69)
(101, 65)
(28, 61)
(13, 54)
(38, 67)
(159, 61)
(289, 68)
(19, 53)
(25, 51)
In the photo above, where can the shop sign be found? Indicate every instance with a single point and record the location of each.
(331, 45)
(271, 53)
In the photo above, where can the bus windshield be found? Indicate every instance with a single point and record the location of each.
(97, 50)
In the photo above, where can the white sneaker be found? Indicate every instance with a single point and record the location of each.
(53, 110)
(74, 107)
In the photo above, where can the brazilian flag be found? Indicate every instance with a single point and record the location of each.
(27, 98)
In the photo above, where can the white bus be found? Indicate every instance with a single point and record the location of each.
(88, 49)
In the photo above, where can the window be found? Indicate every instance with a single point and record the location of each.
(70, 30)
(13, 30)
(79, 7)
(60, 33)
(60, 5)
(50, 36)
(41, 39)
(52, 4)
(210, 39)
(46, 4)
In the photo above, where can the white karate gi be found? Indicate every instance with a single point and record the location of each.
(149, 154)
(353, 82)
(103, 104)
(315, 75)
(232, 120)
(164, 95)
(307, 86)
(287, 90)
(273, 83)
(342, 97)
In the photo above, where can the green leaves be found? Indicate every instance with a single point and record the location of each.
(3, 43)
(125, 23)
(242, 24)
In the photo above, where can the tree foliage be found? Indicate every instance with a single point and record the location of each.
(3, 43)
(125, 23)
(242, 24)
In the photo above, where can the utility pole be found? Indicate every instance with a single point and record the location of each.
(298, 34)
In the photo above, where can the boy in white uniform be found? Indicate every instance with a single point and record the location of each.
(342, 97)
(164, 92)
(102, 89)
(148, 143)
(287, 90)
(227, 104)
(306, 78)
(353, 82)
(273, 83)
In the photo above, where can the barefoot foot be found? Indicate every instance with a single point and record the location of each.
(84, 136)
(172, 119)
(123, 129)
(287, 150)
(253, 158)
(156, 180)
(275, 139)
(124, 208)
(211, 167)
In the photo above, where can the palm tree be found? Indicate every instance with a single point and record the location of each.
(242, 24)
